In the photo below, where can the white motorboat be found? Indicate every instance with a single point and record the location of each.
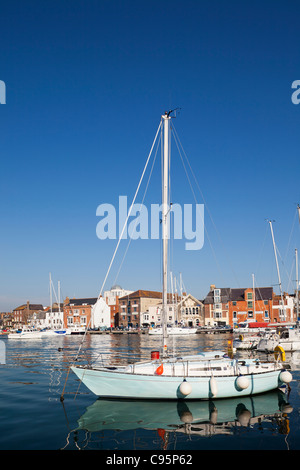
(174, 330)
(76, 330)
(201, 376)
(25, 333)
(55, 332)
(288, 339)
(246, 342)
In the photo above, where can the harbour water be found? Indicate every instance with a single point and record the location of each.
(33, 417)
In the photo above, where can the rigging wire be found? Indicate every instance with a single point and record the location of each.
(114, 254)
(145, 192)
(129, 212)
(177, 141)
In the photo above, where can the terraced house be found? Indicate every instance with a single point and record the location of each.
(133, 307)
(226, 306)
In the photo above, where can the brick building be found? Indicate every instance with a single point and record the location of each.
(22, 315)
(226, 306)
(84, 313)
(134, 305)
(112, 299)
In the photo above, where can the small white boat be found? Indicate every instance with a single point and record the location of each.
(246, 342)
(201, 376)
(175, 330)
(25, 333)
(288, 339)
(54, 332)
(76, 330)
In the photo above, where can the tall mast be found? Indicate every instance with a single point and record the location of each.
(50, 284)
(59, 312)
(165, 229)
(297, 285)
(278, 273)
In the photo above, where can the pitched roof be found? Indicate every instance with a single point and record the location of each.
(261, 293)
(143, 293)
(87, 301)
(224, 294)
(238, 294)
(34, 307)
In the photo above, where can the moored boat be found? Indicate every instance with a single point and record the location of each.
(246, 342)
(288, 339)
(201, 376)
(174, 330)
(25, 333)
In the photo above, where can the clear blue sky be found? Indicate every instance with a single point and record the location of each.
(86, 84)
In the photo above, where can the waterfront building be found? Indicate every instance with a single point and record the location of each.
(48, 318)
(87, 312)
(134, 306)
(190, 311)
(21, 315)
(285, 313)
(230, 306)
(153, 316)
(112, 299)
(183, 311)
(5, 319)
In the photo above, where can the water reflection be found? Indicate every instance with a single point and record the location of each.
(199, 418)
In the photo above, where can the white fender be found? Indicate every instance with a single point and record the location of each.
(213, 386)
(285, 376)
(242, 382)
(185, 388)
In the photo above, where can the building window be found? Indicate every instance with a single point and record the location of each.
(250, 304)
(266, 314)
(217, 293)
(234, 303)
(250, 314)
(249, 295)
(234, 314)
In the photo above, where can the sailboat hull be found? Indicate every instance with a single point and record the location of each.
(115, 384)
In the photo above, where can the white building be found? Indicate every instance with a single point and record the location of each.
(49, 318)
(111, 296)
(100, 314)
(187, 312)
(154, 315)
(190, 311)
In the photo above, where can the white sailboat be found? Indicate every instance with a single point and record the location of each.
(201, 376)
(55, 327)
